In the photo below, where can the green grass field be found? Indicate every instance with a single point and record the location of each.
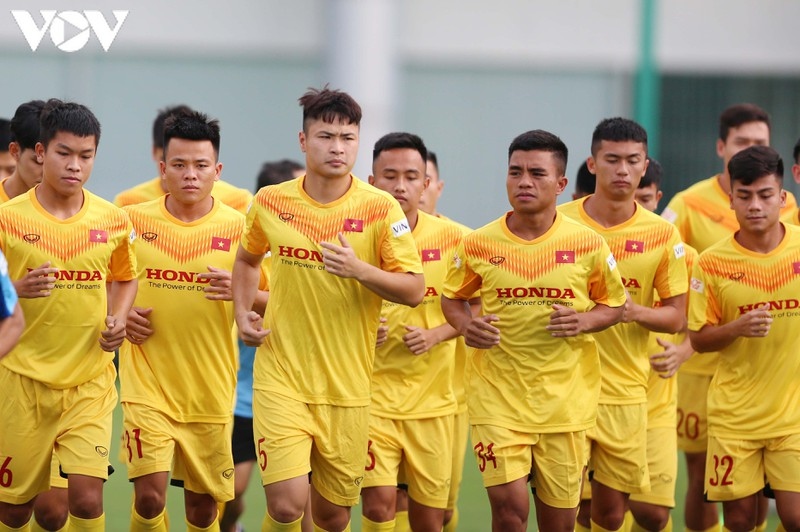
(473, 504)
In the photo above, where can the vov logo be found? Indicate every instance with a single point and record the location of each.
(57, 22)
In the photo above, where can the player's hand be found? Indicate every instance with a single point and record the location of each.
(138, 328)
(564, 322)
(756, 323)
(419, 340)
(629, 309)
(383, 333)
(38, 282)
(219, 289)
(667, 362)
(251, 328)
(480, 332)
(112, 337)
(341, 260)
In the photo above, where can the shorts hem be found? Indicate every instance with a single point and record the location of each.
(648, 498)
(336, 499)
(284, 474)
(694, 448)
(439, 504)
(510, 476)
(731, 496)
(134, 473)
(620, 486)
(559, 503)
(785, 486)
(379, 482)
(88, 472)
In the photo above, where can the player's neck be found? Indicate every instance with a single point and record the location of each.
(609, 212)
(724, 181)
(188, 212)
(14, 185)
(530, 226)
(59, 205)
(326, 189)
(761, 242)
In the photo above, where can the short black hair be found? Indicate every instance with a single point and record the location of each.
(274, 172)
(399, 140)
(69, 117)
(158, 123)
(618, 129)
(25, 124)
(585, 181)
(653, 174)
(541, 140)
(741, 113)
(796, 152)
(5, 134)
(191, 126)
(433, 159)
(329, 105)
(754, 163)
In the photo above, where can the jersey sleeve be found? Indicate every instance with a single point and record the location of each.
(605, 284)
(671, 275)
(398, 250)
(123, 265)
(254, 237)
(461, 281)
(704, 308)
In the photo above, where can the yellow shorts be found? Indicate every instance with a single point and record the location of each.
(56, 480)
(693, 412)
(460, 436)
(737, 468)
(198, 454)
(422, 447)
(618, 448)
(554, 462)
(293, 438)
(74, 424)
(662, 461)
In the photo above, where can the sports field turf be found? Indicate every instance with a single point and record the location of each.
(473, 504)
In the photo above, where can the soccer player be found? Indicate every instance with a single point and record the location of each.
(651, 510)
(244, 452)
(65, 356)
(7, 163)
(703, 217)
(339, 247)
(650, 257)
(744, 305)
(12, 322)
(412, 378)
(793, 216)
(545, 282)
(235, 197)
(432, 193)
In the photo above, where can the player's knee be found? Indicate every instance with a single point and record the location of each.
(16, 515)
(608, 517)
(150, 503)
(509, 516)
(652, 517)
(51, 517)
(201, 511)
(378, 505)
(86, 505)
(283, 512)
(448, 515)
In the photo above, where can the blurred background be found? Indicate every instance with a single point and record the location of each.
(466, 75)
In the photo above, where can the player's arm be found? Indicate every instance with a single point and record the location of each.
(670, 317)
(753, 324)
(36, 283)
(566, 321)
(419, 339)
(477, 330)
(406, 288)
(123, 293)
(244, 279)
(11, 329)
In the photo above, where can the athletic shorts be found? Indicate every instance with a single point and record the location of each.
(56, 480)
(198, 454)
(421, 447)
(693, 412)
(737, 468)
(618, 447)
(460, 436)
(662, 462)
(293, 438)
(74, 424)
(553, 462)
(244, 450)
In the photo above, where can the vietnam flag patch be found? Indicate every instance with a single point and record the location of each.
(222, 244)
(352, 225)
(634, 246)
(431, 255)
(565, 257)
(98, 235)
(796, 268)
